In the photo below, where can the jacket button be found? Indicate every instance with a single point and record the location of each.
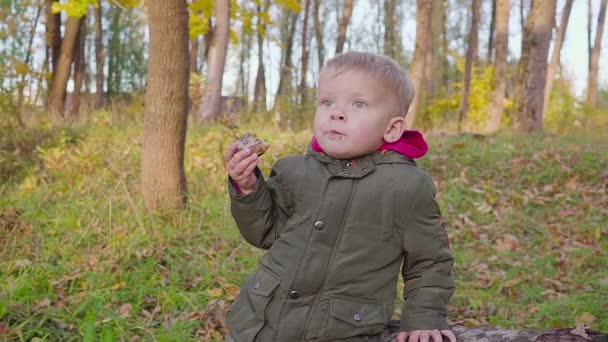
(294, 294)
(257, 285)
(357, 317)
(319, 225)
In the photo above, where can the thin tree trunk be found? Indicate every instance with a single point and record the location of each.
(61, 75)
(28, 55)
(592, 85)
(499, 82)
(166, 102)
(305, 53)
(259, 91)
(491, 33)
(285, 78)
(474, 40)
(79, 67)
(100, 94)
(347, 12)
(424, 10)
(114, 55)
(471, 50)
(242, 83)
(532, 68)
(555, 56)
(210, 109)
(318, 33)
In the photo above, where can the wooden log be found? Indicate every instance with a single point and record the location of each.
(489, 334)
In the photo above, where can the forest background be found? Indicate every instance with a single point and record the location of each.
(114, 116)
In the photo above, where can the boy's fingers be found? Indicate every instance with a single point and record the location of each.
(414, 336)
(238, 157)
(232, 149)
(436, 335)
(239, 169)
(402, 336)
(424, 336)
(449, 334)
(251, 167)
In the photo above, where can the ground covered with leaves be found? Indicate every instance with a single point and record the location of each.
(80, 259)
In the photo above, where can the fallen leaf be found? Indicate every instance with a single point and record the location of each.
(585, 318)
(215, 292)
(125, 310)
(507, 243)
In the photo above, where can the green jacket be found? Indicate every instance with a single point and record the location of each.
(337, 233)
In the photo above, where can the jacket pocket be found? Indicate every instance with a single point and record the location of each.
(248, 314)
(348, 318)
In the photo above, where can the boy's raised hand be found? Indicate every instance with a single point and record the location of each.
(241, 165)
(426, 335)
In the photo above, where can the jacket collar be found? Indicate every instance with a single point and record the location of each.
(358, 167)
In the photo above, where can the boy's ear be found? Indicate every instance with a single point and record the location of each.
(395, 129)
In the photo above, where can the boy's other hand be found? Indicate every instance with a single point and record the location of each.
(425, 335)
(241, 165)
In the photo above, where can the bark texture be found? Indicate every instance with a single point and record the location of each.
(79, 69)
(163, 177)
(318, 33)
(532, 67)
(305, 54)
(499, 82)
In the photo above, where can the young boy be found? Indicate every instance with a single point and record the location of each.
(340, 221)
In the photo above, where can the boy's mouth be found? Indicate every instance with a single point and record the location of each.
(333, 134)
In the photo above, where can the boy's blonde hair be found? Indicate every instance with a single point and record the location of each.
(384, 68)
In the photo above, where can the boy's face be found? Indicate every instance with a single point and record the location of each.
(355, 112)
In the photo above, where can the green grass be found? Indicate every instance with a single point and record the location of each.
(80, 259)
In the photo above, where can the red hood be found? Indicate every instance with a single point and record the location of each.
(411, 144)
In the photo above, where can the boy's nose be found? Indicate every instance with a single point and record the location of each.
(338, 115)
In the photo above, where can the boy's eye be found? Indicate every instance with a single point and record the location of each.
(360, 104)
(326, 103)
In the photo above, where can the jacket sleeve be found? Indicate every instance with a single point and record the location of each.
(261, 214)
(428, 263)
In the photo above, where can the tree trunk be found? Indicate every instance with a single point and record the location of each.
(53, 33)
(347, 12)
(305, 53)
(424, 10)
(100, 94)
(532, 68)
(287, 33)
(259, 91)
(499, 82)
(210, 109)
(79, 68)
(61, 75)
(592, 86)
(115, 55)
(491, 33)
(473, 35)
(392, 39)
(243, 79)
(471, 50)
(166, 102)
(555, 56)
(318, 34)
